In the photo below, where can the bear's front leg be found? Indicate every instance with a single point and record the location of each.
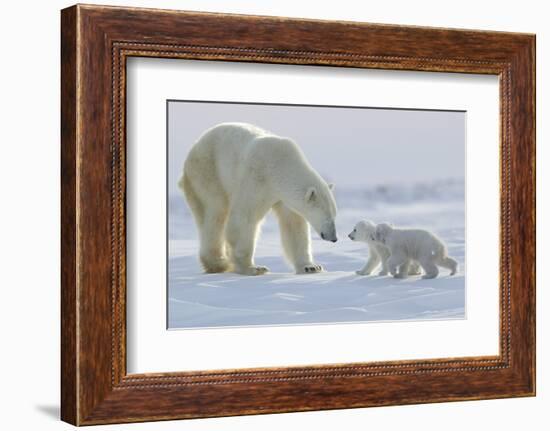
(403, 270)
(384, 254)
(296, 240)
(241, 233)
(372, 263)
(394, 262)
(414, 268)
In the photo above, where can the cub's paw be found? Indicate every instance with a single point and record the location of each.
(382, 273)
(310, 269)
(361, 272)
(253, 270)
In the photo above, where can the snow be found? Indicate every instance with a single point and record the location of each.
(198, 300)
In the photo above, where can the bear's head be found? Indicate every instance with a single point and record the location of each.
(319, 209)
(363, 231)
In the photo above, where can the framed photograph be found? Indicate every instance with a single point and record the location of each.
(265, 214)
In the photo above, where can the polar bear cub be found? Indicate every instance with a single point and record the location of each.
(364, 231)
(418, 244)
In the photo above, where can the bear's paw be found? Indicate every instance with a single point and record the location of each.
(254, 270)
(310, 269)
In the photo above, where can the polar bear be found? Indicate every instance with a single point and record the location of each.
(364, 231)
(233, 175)
(417, 244)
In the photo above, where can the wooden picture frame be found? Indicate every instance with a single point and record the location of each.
(95, 43)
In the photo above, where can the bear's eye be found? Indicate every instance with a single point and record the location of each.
(354, 230)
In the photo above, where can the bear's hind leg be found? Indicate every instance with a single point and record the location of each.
(195, 204)
(213, 247)
(449, 263)
(295, 239)
(210, 217)
(430, 268)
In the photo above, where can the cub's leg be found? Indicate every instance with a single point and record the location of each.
(384, 254)
(295, 239)
(245, 214)
(403, 270)
(430, 268)
(414, 268)
(372, 262)
(395, 261)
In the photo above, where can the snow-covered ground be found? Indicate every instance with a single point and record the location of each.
(198, 300)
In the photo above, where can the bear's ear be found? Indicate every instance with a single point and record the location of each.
(382, 232)
(378, 234)
(311, 195)
(331, 186)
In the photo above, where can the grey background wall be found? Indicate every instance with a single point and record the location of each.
(348, 146)
(29, 228)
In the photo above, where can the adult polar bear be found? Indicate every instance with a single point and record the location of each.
(234, 174)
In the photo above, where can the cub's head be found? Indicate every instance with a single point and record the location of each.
(319, 209)
(383, 230)
(363, 231)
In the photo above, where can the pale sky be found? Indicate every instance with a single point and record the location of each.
(350, 147)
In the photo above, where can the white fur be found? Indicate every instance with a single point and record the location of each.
(417, 244)
(364, 231)
(233, 176)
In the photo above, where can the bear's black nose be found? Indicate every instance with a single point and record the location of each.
(322, 235)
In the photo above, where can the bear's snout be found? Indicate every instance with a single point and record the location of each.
(331, 238)
(328, 231)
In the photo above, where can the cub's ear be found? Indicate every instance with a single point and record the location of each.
(380, 232)
(311, 195)
(331, 186)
